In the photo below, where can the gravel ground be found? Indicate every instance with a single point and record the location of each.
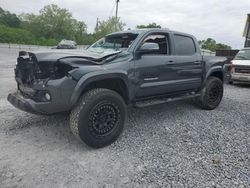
(170, 145)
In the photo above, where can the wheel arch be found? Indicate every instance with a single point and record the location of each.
(215, 72)
(116, 81)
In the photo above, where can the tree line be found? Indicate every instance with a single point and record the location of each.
(53, 24)
(50, 26)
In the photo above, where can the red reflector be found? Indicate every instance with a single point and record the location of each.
(231, 66)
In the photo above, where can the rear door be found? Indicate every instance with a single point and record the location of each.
(187, 66)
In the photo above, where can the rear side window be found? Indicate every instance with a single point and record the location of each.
(184, 45)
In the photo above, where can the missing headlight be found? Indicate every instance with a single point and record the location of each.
(52, 71)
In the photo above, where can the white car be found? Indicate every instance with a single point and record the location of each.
(240, 67)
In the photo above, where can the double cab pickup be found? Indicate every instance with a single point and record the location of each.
(134, 67)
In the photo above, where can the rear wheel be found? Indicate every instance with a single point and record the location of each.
(99, 117)
(211, 94)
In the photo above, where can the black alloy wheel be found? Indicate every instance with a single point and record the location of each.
(103, 119)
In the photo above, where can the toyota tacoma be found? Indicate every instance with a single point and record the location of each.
(129, 68)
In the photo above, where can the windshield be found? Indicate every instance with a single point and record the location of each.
(115, 42)
(243, 55)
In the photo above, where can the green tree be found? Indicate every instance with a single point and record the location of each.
(51, 25)
(210, 44)
(223, 47)
(151, 25)
(15, 35)
(54, 22)
(31, 23)
(80, 30)
(8, 19)
(108, 26)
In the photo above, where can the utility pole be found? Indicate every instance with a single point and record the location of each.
(116, 14)
(97, 25)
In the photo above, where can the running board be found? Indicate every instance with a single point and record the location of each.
(151, 102)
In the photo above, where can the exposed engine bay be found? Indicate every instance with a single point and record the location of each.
(30, 74)
(28, 70)
(34, 71)
(31, 67)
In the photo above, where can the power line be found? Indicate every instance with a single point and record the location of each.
(112, 10)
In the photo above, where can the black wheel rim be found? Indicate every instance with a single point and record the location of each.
(214, 93)
(103, 119)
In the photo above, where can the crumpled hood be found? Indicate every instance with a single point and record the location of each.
(56, 54)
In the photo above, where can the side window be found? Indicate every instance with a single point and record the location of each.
(161, 40)
(184, 45)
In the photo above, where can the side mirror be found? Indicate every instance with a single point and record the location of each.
(149, 47)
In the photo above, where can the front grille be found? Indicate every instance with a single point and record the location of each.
(242, 69)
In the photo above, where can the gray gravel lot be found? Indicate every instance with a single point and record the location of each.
(170, 145)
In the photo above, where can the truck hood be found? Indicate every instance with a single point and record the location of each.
(241, 62)
(55, 55)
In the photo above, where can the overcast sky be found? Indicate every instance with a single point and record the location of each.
(222, 20)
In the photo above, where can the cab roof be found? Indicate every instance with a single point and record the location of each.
(140, 31)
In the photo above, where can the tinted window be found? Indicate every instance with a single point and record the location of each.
(184, 45)
(160, 40)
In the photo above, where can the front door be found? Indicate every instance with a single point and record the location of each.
(151, 68)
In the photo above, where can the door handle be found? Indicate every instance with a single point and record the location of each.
(197, 62)
(170, 62)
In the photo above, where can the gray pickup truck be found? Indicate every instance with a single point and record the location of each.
(134, 67)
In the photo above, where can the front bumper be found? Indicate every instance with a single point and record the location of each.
(27, 105)
(240, 77)
(60, 92)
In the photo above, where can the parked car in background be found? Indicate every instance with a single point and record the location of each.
(240, 67)
(66, 44)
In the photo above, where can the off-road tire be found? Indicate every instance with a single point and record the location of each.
(211, 94)
(86, 115)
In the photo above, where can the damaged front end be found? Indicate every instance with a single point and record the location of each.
(30, 73)
(43, 87)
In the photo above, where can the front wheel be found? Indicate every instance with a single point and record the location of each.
(211, 94)
(99, 117)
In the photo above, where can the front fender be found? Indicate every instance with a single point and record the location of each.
(96, 76)
(213, 70)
